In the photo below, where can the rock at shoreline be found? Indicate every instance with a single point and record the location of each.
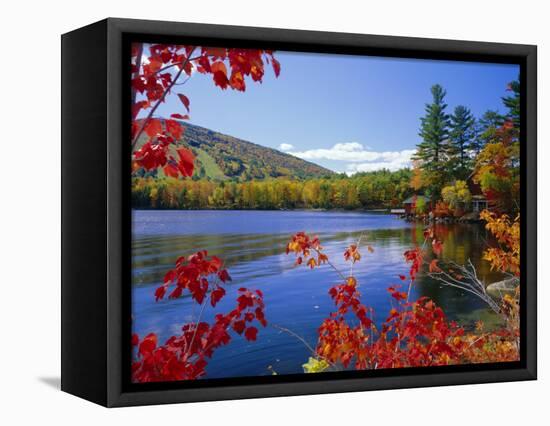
(504, 286)
(470, 217)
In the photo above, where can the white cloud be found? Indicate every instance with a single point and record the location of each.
(349, 151)
(362, 158)
(349, 147)
(286, 147)
(401, 160)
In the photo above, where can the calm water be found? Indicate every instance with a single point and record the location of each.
(252, 243)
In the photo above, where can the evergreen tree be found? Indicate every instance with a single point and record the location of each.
(461, 135)
(434, 131)
(512, 102)
(485, 129)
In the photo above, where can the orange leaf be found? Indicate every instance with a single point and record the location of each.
(433, 266)
(237, 81)
(219, 72)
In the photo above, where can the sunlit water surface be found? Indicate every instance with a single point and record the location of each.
(252, 244)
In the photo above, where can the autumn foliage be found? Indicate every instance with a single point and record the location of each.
(505, 257)
(159, 73)
(416, 333)
(497, 171)
(155, 75)
(185, 356)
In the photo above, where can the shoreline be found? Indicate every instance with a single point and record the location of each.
(382, 212)
(373, 211)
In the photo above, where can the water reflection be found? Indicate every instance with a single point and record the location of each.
(296, 298)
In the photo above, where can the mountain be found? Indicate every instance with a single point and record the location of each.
(220, 157)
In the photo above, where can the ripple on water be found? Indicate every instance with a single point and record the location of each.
(252, 244)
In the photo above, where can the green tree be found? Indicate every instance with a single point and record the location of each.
(512, 102)
(457, 195)
(420, 206)
(365, 191)
(486, 127)
(434, 130)
(461, 135)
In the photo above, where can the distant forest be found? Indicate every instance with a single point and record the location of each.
(371, 190)
(456, 150)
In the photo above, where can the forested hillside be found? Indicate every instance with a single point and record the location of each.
(222, 157)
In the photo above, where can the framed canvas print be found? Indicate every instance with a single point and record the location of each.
(252, 212)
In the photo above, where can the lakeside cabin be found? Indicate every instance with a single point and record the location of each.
(479, 201)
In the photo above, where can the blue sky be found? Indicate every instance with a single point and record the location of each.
(347, 113)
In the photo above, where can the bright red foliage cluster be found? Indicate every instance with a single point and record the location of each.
(338, 340)
(415, 258)
(192, 273)
(154, 77)
(185, 357)
(416, 333)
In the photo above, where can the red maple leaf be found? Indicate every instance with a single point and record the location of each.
(186, 164)
(251, 333)
(216, 296)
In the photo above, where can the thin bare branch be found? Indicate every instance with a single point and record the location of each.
(472, 284)
(300, 338)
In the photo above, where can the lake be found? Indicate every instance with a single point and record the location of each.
(252, 244)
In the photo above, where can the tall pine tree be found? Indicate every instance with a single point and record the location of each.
(432, 152)
(486, 127)
(512, 102)
(461, 135)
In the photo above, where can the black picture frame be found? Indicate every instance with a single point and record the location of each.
(96, 226)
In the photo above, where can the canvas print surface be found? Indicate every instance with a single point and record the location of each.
(299, 213)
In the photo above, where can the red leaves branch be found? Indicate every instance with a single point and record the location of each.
(306, 248)
(152, 79)
(414, 333)
(185, 356)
